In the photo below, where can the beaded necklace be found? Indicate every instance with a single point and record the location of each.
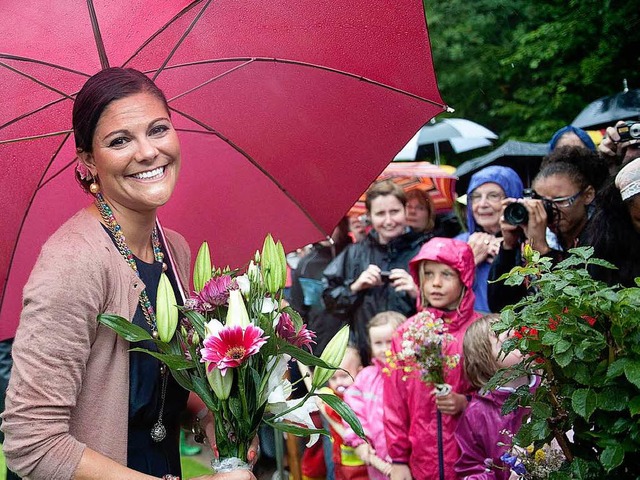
(159, 431)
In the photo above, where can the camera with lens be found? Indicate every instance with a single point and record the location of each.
(516, 213)
(629, 131)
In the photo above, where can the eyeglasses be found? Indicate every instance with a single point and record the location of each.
(491, 197)
(564, 202)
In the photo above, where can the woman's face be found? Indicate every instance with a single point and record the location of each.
(417, 214)
(441, 285)
(571, 218)
(136, 154)
(504, 361)
(486, 206)
(387, 217)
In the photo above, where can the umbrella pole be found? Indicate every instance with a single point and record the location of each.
(436, 149)
(440, 447)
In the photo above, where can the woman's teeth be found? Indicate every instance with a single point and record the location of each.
(156, 172)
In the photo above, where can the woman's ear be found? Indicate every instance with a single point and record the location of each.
(87, 159)
(589, 195)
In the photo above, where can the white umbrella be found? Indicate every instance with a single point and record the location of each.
(463, 135)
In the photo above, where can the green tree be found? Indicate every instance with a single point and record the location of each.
(524, 69)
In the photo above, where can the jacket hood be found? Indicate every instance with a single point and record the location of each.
(506, 177)
(457, 255)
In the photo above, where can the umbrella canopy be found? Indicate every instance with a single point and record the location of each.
(439, 182)
(606, 111)
(523, 157)
(267, 99)
(455, 134)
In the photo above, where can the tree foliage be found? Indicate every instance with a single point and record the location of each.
(525, 69)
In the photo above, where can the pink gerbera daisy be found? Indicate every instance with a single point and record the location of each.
(231, 346)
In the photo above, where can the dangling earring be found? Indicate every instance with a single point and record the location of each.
(94, 187)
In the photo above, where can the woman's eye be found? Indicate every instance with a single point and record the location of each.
(158, 129)
(118, 141)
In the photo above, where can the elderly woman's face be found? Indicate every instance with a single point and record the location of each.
(136, 153)
(486, 206)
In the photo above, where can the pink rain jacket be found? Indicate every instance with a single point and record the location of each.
(410, 419)
(365, 399)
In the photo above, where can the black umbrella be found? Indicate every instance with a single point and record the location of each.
(605, 111)
(523, 157)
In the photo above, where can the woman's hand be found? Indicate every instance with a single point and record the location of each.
(363, 451)
(367, 279)
(610, 144)
(536, 229)
(208, 425)
(400, 471)
(484, 246)
(451, 404)
(402, 281)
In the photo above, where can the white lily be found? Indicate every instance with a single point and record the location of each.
(213, 327)
(268, 305)
(244, 284)
(300, 416)
(237, 313)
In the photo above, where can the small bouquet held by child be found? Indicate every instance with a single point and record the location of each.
(532, 463)
(423, 352)
(231, 344)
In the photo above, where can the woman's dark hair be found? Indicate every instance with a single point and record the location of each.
(570, 170)
(593, 170)
(610, 232)
(95, 96)
(382, 189)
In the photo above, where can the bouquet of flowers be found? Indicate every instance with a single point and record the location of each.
(423, 354)
(231, 344)
(531, 463)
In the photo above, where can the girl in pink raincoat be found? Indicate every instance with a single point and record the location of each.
(444, 270)
(365, 397)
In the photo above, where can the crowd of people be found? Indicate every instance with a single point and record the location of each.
(378, 279)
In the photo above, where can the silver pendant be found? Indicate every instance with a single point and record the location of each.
(158, 432)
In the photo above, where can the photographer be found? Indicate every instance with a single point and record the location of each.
(563, 194)
(621, 152)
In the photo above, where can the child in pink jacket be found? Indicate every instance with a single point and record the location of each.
(365, 397)
(444, 270)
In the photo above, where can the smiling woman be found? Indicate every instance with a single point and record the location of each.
(67, 416)
(356, 280)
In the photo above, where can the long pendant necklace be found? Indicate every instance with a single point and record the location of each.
(158, 431)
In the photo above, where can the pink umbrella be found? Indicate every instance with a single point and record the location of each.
(268, 98)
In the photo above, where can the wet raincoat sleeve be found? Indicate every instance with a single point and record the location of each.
(396, 413)
(338, 277)
(470, 465)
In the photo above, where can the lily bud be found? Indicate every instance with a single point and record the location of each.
(253, 272)
(332, 354)
(273, 265)
(166, 310)
(237, 313)
(256, 257)
(220, 384)
(202, 268)
(195, 340)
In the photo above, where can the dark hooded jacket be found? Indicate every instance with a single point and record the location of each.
(358, 308)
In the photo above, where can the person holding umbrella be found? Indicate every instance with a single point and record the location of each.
(79, 405)
(371, 276)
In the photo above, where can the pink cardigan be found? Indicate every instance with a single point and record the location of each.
(69, 387)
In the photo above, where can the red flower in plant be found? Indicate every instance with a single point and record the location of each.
(589, 319)
(287, 330)
(553, 323)
(229, 347)
(523, 332)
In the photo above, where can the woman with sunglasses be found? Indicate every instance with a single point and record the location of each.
(564, 189)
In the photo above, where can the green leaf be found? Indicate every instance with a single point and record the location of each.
(563, 359)
(124, 328)
(613, 399)
(174, 362)
(197, 320)
(632, 372)
(202, 389)
(617, 368)
(612, 457)
(634, 406)
(303, 356)
(601, 263)
(295, 429)
(572, 291)
(584, 402)
(344, 411)
(561, 346)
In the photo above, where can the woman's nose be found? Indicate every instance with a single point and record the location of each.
(146, 150)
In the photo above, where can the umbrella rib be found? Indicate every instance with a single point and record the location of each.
(24, 218)
(181, 39)
(211, 131)
(102, 53)
(34, 79)
(160, 30)
(8, 56)
(249, 60)
(36, 137)
(27, 114)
